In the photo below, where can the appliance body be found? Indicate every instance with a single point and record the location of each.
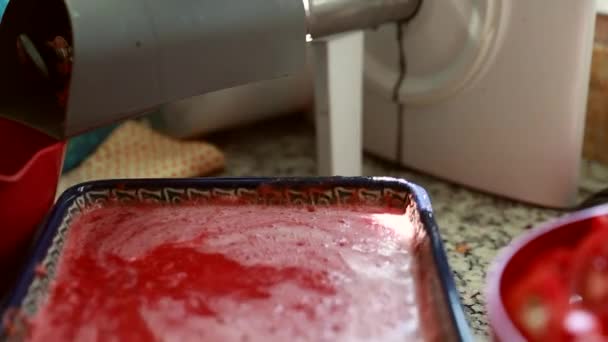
(486, 93)
(510, 122)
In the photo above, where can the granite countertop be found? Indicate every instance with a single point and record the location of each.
(474, 226)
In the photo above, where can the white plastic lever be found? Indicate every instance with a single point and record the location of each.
(338, 88)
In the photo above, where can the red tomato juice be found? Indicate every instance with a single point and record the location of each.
(233, 273)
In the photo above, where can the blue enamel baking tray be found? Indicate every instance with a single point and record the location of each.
(443, 309)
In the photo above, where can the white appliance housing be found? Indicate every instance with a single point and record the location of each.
(486, 93)
(500, 108)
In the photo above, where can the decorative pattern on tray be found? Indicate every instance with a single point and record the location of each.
(265, 195)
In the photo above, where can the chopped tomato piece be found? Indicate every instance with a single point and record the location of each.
(538, 305)
(563, 295)
(591, 268)
(557, 260)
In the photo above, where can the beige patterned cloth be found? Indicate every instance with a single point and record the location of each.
(134, 150)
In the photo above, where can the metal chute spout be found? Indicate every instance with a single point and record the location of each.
(35, 63)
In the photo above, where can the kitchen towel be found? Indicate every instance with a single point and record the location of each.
(3, 4)
(81, 147)
(134, 150)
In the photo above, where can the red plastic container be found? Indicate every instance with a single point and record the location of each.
(30, 167)
(510, 267)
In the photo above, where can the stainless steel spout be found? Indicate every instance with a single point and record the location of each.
(328, 17)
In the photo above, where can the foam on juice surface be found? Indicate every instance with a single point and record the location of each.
(233, 273)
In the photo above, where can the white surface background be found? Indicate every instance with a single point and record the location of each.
(602, 6)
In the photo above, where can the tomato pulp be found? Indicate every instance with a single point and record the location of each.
(233, 273)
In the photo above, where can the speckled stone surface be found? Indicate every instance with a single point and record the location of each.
(474, 226)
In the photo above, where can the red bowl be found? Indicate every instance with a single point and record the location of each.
(30, 167)
(511, 264)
